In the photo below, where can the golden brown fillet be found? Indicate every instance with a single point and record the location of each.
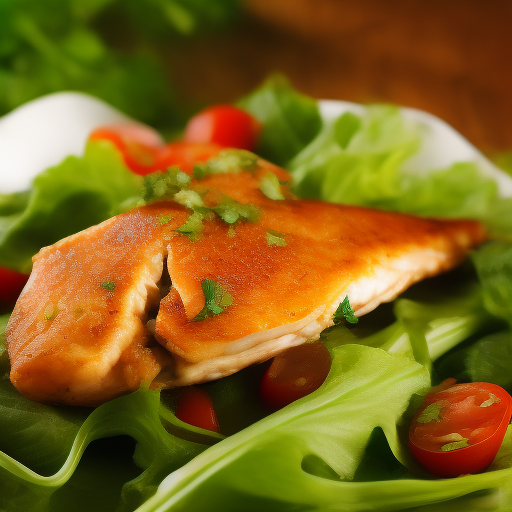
(78, 332)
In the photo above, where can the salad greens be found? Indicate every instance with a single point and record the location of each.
(59, 45)
(76, 194)
(344, 447)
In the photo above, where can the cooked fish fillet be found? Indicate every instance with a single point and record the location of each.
(78, 333)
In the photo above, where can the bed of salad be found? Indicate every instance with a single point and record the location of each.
(231, 444)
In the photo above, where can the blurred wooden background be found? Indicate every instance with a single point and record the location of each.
(452, 58)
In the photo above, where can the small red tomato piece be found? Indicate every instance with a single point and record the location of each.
(185, 155)
(195, 407)
(294, 374)
(460, 429)
(140, 145)
(11, 284)
(225, 125)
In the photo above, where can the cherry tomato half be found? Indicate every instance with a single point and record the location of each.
(460, 429)
(11, 284)
(140, 145)
(195, 407)
(224, 125)
(185, 155)
(294, 374)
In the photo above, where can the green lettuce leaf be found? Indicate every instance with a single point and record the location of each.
(488, 359)
(261, 466)
(360, 161)
(493, 264)
(289, 119)
(76, 194)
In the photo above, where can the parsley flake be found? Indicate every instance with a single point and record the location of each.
(456, 445)
(193, 226)
(430, 413)
(271, 187)
(216, 298)
(344, 311)
(164, 185)
(275, 239)
(230, 211)
(108, 285)
(50, 312)
(189, 198)
(229, 161)
(164, 219)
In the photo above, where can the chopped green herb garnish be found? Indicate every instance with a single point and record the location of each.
(275, 239)
(271, 186)
(193, 226)
(164, 185)
(229, 161)
(108, 285)
(456, 445)
(164, 219)
(50, 312)
(216, 298)
(231, 211)
(344, 311)
(78, 313)
(189, 198)
(430, 413)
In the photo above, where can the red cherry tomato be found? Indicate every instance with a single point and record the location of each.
(460, 429)
(195, 407)
(185, 155)
(140, 145)
(11, 284)
(294, 374)
(224, 125)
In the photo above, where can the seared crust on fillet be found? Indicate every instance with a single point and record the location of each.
(79, 335)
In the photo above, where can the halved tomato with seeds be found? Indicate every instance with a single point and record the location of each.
(460, 429)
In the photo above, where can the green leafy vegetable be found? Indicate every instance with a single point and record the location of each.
(361, 161)
(228, 161)
(216, 298)
(290, 120)
(108, 285)
(190, 199)
(271, 187)
(430, 413)
(455, 445)
(275, 239)
(78, 193)
(67, 45)
(493, 264)
(164, 185)
(231, 211)
(344, 312)
(193, 226)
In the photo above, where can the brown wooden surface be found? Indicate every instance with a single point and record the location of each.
(452, 58)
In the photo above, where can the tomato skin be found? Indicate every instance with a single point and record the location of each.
(461, 412)
(195, 407)
(11, 284)
(140, 145)
(293, 374)
(224, 125)
(185, 155)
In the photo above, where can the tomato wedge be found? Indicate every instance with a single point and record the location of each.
(195, 407)
(140, 145)
(294, 374)
(224, 125)
(185, 155)
(460, 429)
(11, 284)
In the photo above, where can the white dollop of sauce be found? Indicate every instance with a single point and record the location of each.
(44, 131)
